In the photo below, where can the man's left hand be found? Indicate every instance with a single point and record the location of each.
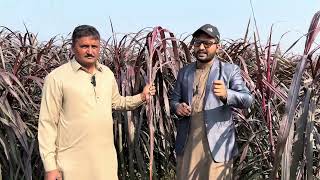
(219, 89)
(148, 90)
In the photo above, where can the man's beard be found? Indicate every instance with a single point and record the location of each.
(206, 59)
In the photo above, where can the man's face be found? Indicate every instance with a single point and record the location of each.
(205, 48)
(86, 50)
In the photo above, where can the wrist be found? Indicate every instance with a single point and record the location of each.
(143, 97)
(224, 98)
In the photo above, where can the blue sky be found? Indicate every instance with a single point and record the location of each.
(59, 17)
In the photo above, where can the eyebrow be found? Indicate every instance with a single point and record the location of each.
(87, 45)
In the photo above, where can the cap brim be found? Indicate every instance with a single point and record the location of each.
(203, 31)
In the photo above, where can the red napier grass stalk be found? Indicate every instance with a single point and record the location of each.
(149, 107)
(312, 32)
(298, 146)
(256, 27)
(157, 60)
(268, 93)
(293, 94)
(278, 92)
(151, 70)
(288, 118)
(137, 64)
(309, 137)
(259, 75)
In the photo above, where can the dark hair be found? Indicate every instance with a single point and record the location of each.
(84, 31)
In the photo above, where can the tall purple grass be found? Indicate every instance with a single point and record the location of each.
(278, 136)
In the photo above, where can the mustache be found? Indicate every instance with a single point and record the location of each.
(201, 52)
(89, 56)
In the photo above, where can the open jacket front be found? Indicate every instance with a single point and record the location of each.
(218, 121)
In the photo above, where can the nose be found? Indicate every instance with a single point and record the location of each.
(89, 50)
(201, 46)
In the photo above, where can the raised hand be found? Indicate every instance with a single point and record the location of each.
(220, 90)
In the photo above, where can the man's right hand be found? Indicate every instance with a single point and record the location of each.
(183, 109)
(53, 175)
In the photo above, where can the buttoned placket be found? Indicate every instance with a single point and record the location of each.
(97, 87)
(93, 87)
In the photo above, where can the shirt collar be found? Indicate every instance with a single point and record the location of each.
(76, 66)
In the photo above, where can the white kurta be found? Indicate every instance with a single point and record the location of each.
(75, 124)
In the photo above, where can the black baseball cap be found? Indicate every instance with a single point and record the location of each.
(208, 29)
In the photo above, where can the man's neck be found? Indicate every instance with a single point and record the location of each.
(204, 65)
(89, 68)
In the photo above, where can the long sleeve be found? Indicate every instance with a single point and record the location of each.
(124, 103)
(176, 94)
(51, 105)
(238, 94)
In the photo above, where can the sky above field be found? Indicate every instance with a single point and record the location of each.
(59, 17)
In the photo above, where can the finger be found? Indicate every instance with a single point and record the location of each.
(217, 90)
(222, 90)
(152, 93)
(187, 111)
(184, 109)
(186, 106)
(181, 113)
(218, 82)
(218, 86)
(151, 88)
(218, 94)
(185, 114)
